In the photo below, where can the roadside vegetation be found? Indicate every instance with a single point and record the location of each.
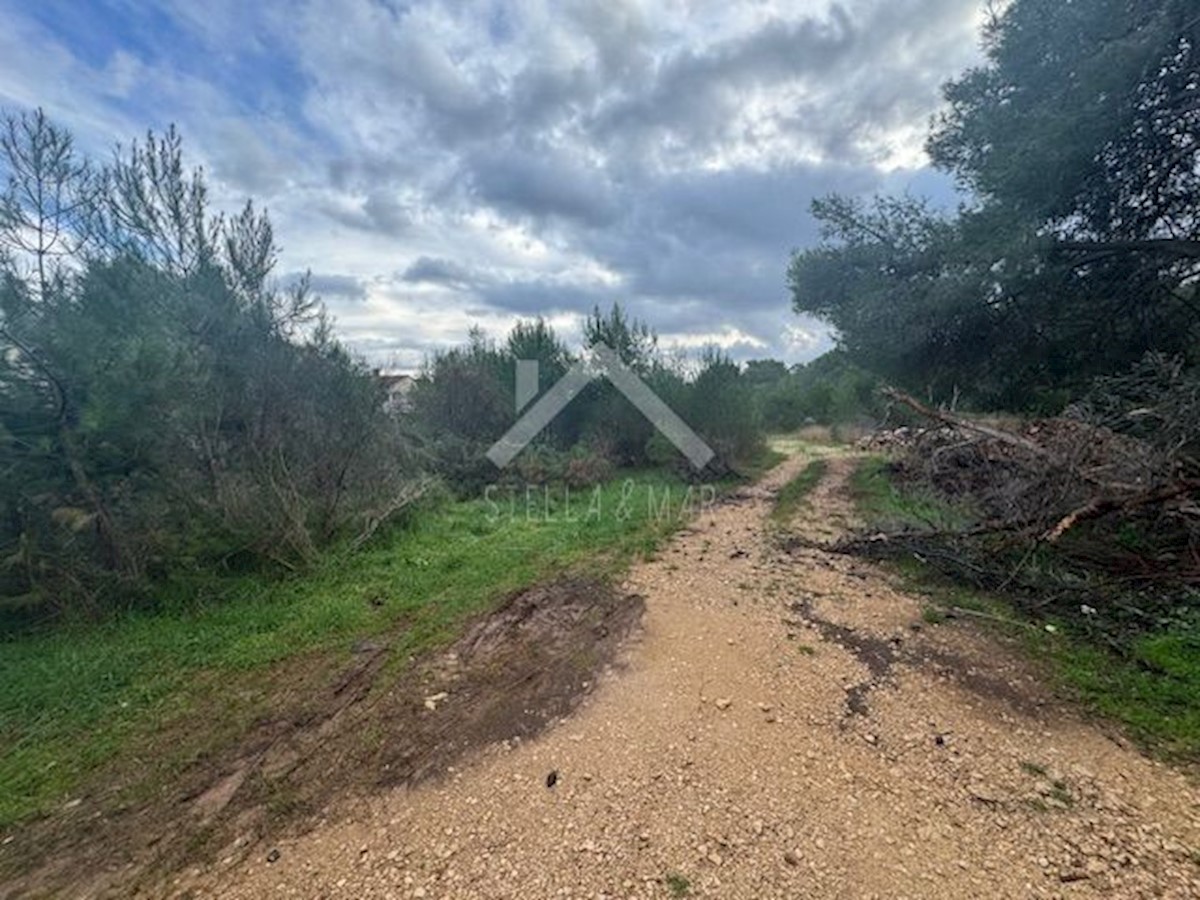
(117, 696)
(1062, 292)
(791, 497)
(1144, 675)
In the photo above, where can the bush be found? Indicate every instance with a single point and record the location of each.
(166, 407)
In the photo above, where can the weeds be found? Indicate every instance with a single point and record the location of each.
(678, 885)
(1151, 684)
(78, 701)
(791, 497)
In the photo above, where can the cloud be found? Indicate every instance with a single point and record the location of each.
(541, 183)
(443, 163)
(430, 270)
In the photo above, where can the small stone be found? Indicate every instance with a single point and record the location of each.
(1069, 875)
(791, 858)
(274, 855)
(431, 703)
(984, 795)
(723, 703)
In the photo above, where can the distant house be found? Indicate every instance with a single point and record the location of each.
(399, 391)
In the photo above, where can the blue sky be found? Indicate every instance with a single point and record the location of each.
(439, 165)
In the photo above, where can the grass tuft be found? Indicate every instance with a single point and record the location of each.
(790, 498)
(678, 885)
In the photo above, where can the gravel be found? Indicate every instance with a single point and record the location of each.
(960, 776)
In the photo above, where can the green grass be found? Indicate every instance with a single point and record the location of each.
(1154, 689)
(79, 698)
(791, 497)
(765, 458)
(885, 504)
(932, 615)
(678, 885)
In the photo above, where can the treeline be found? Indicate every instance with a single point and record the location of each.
(1079, 248)
(830, 390)
(466, 399)
(165, 407)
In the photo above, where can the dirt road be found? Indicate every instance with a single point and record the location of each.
(782, 726)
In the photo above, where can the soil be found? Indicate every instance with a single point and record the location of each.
(339, 734)
(780, 724)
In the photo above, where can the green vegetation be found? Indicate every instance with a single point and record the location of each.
(885, 504)
(167, 409)
(76, 698)
(465, 400)
(830, 390)
(1076, 248)
(1067, 277)
(678, 885)
(1154, 689)
(790, 498)
(1151, 684)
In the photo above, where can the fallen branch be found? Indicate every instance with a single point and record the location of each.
(974, 613)
(938, 415)
(408, 494)
(1100, 506)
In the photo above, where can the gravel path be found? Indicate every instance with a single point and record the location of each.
(783, 726)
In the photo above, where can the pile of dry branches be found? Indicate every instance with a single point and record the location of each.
(1068, 513)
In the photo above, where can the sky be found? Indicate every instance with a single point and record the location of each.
(443, 164)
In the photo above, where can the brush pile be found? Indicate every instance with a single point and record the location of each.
(1093, 514)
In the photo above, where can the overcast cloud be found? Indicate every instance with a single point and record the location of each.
(444, 163)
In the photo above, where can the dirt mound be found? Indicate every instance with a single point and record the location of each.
(379, 721)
